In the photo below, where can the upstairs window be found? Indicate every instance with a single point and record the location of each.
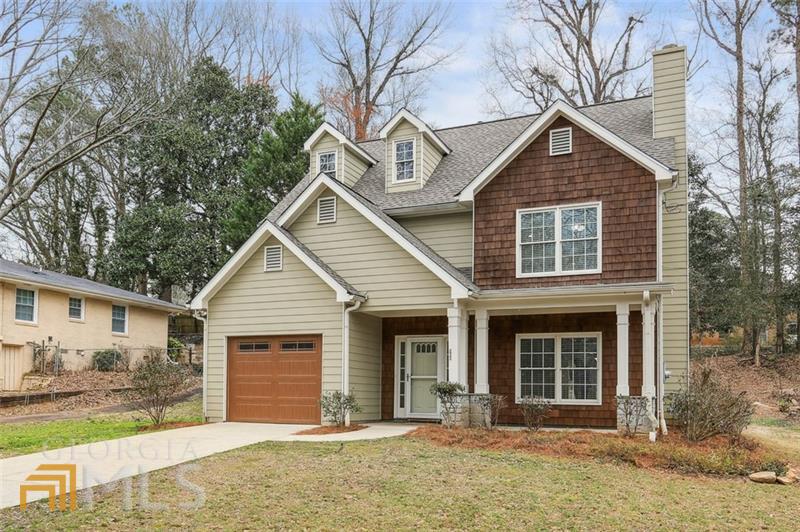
(326, 210)
(26, 305)
(404, 160)
(559, 241)
(76, 308)
(561, 141)
(273, 258)
(327, 164)
(119, 319)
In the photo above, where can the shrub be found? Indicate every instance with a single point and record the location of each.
(156, 384)
(449, 395)
(175, 349)
(632, 410)
(336, 406)
(534, 411)
(491, 404)
(708, 407)
(108, 360)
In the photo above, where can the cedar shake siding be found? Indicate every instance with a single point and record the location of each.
(391, 327)
(594, 171)
(502, 361)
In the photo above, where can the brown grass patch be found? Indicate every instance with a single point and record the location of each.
(716, 456)
(170, 425)
(329, 429)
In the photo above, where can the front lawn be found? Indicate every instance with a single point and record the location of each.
(410, 483)
(37, 436)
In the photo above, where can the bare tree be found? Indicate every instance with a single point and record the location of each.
(46, 58)
(725, 23)
(380, 58)
(567, 54)
(788, 12)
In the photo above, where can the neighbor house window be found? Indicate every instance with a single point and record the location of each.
(404, 160)
(75, 308)
(558, 240)
(26, 305)
(119, 319)
(563, 368)
(327, 163)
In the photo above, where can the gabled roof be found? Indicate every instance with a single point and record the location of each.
(345, 292)
(14, 271)
(405, 114)
(460, 285)
(341, 137)
(561, 108)
(475, 146)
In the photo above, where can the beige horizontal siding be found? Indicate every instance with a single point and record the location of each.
(365, 365)
(369, 260)
(253, 302)
(449, 235)
(430, 159)
(404, 130)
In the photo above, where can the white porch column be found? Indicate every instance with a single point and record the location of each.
(481, 351)
(456, 346)
(463, 361)
(648, 348)
(623, 314)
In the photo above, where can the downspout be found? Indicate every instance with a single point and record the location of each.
(661, 362)
(203, 316)
(346, 349)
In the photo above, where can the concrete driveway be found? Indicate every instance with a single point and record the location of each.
(111, 460)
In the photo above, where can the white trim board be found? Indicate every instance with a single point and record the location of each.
(458, 290)
(422, 127)
(343, 140)
(561, 108)
(264, 231)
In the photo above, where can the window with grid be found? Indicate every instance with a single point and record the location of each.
(327, 163)
(404, 160)
(564, 368)
(26, 305)
(119, 319)
(75, 308)
(558, 240)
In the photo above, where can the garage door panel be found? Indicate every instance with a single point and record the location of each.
(275, 379)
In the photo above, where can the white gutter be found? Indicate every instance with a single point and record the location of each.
(662, 420)
(346, 349)
(203, 316)
(610, 289)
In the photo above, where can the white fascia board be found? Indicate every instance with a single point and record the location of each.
(263, 232)
(405, 114)
(338, 135)
(561, 108)
(577, 291)
(458, 290)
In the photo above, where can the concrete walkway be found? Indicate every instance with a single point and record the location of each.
(111, 460)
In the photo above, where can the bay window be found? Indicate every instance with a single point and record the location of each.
(564, 240)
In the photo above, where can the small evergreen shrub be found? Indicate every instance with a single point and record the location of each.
(534, 411)
(336, 406)
(107, 360)
(449, 395)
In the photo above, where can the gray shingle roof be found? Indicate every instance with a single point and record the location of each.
(65, 283)
(476, 145)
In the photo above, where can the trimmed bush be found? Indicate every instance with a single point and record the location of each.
(534, 411)
(107, 360)
(449, 395)
(336, 406)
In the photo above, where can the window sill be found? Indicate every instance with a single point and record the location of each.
(558, 274)
(518, 401)
(26, 323)
(404, 181)
(76, 320)
(121, 335)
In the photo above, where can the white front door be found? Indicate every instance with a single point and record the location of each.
(420, 362)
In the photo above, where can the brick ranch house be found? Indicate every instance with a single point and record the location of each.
(543, 255)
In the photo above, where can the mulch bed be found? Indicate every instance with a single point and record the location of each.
(170, 425)
(329, 429)
(716, 456)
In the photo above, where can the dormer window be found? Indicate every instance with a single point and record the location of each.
(327, 164)
(404, 160)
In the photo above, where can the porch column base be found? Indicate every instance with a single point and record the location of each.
(646, 422)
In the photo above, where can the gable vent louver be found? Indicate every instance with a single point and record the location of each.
(326, 210)
(561, 141)
(273, 258)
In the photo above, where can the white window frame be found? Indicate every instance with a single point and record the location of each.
(413, 142)
(127, 319)
(335, 213)
(83, 309)
(558, 336)
(35, 305)
(558, 272)
(335, 162)
(279, 246)
(551, 141)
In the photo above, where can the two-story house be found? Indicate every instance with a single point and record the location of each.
(543, 255)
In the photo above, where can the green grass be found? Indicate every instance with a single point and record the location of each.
(37, 436)
(777, 422)
(403, 483)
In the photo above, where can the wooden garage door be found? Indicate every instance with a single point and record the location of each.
(275, 379)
